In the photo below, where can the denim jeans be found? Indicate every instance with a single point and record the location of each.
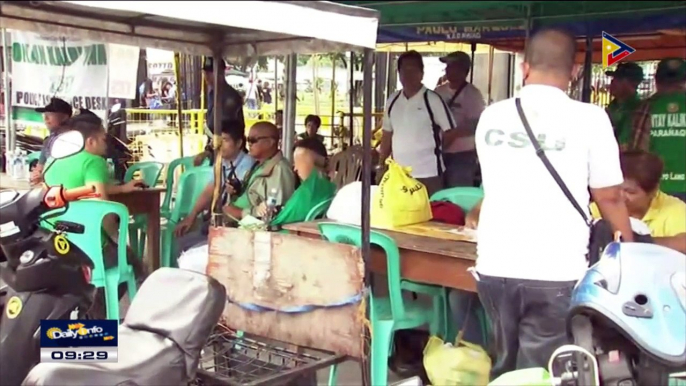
(463, 311)
(528, 320)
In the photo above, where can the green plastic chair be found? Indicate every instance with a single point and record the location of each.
(319, 210)
(465, 197)
(138, 227)
(90, 213)
(389, 314)
(33, 156)
(191, 184)
(149, 173)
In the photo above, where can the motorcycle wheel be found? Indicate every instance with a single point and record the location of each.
(582, 331)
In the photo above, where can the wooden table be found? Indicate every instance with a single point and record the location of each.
(146, 201)
(422, 259)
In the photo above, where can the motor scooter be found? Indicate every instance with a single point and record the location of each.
(626, 320)
(160, 339)
(45, 275)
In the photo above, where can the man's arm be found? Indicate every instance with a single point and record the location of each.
(443, 117)
(472, 218)
(473, 106)
(678, 242)
(605, 175)
(385, 147)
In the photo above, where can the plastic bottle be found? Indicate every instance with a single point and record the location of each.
(110, 168)
(18, 166)
(271, 204)
(9, 163)
(27, 165)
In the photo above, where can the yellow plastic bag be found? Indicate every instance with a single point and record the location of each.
(400, 199)
(466, 364)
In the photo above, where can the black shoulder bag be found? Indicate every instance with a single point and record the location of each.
(600, 232)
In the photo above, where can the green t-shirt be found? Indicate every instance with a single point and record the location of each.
(621, 114)
(77, 170)
(668, 138)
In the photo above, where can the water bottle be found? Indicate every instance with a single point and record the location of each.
(271, 205)
(110, 168)
(26, 165)
(17, 166)
(9, 163)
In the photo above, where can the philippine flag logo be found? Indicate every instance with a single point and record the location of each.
(614, 50)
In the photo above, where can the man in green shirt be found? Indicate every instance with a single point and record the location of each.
(89, 168)
(625, 80)
(660, 125)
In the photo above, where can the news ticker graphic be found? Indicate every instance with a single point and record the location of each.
(79, 341)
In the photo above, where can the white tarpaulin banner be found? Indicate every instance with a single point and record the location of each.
(74, 70)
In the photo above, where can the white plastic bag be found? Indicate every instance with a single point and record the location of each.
(346, 206)
(195, 259)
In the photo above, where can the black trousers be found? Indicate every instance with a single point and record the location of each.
(527, 319)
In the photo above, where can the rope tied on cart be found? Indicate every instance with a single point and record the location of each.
(301, 309)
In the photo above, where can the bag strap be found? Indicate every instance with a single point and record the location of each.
(457, 93)
(541, 154)
(390, 107)
(437, 134)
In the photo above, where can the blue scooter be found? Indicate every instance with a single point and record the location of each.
(627, 320)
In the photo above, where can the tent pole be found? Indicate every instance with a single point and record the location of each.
(367, 166)
(288, 134)
(471, 70)
(179, 108)
(351, 101)
(276, 86)
(9, 127)
(217, 112)
(333, 99)
(588, 67)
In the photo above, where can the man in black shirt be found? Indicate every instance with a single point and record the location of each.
(232, 105)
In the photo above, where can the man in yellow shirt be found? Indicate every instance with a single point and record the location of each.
(664, 215)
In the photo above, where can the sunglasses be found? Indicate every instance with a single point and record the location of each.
(253, 140)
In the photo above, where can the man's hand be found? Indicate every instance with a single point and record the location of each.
(183, 227)
(229, 188)
(261, 209)
(198, 160)
(472, 219)
(36, 175)
(131, 186)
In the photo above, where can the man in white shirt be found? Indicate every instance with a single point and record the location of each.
(466, 103)
(532, 242)
(415, 123)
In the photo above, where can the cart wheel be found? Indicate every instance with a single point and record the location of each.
(582, 331)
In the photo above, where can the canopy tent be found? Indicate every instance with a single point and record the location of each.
(505, 23)
(195, 27)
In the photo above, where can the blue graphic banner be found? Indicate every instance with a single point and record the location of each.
(488, 32)
(79, 333)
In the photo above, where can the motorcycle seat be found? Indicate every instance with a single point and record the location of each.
(160, 340)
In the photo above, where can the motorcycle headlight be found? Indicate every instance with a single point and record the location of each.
(610, 268)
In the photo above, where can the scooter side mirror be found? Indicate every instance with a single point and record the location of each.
(116, 107)
(67, 144)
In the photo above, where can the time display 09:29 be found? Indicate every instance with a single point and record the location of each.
(73, 355)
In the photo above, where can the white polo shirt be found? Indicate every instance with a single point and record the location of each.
(413, 141)
(466, 107)
(527, 227)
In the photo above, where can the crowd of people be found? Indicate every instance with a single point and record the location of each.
(627, 161)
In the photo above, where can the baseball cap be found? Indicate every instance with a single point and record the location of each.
(671, 70)
(627, 70)
(462, 58)
(56, 105)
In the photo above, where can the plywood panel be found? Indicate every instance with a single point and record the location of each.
(280, 272)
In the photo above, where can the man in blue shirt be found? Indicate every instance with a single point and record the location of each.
(55, 114)
(232, 104)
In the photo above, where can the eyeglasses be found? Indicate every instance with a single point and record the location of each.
(253, 140)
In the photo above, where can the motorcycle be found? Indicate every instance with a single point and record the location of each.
(45, 276)
(626, 320)
(160, 342)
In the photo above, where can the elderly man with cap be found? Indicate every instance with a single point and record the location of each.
(55, 114)
(466, 103)
(625, 80)
(232, 105)
(660, 125)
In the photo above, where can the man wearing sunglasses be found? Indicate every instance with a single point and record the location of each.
(271, 172)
